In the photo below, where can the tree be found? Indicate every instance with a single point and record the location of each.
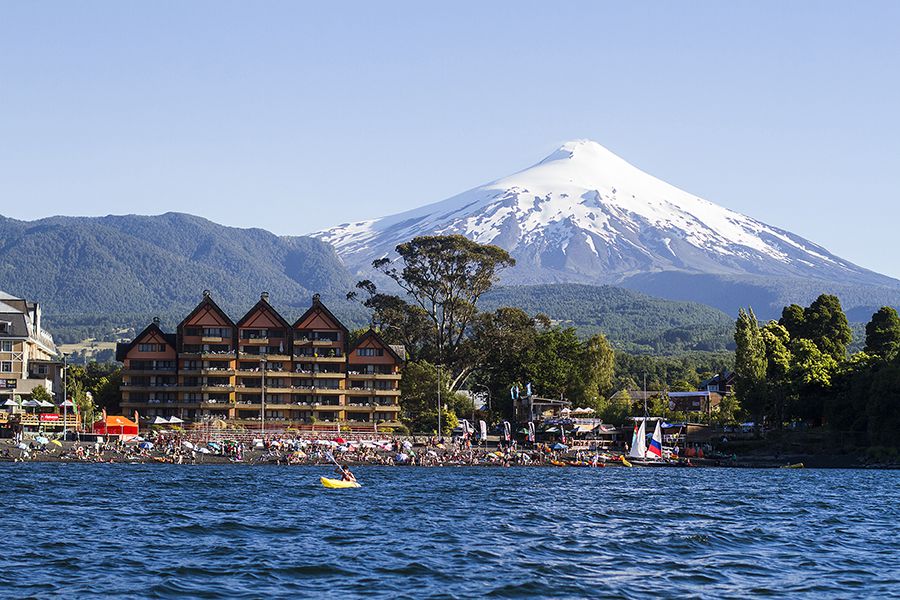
(598, 365)
(40, 393)
(443, 277)
(883, 333)
(776, 340)
(418, 400)
(826, 325)
(792, 319)
(812, 371)
(750, 364)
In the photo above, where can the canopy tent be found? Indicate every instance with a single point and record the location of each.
(116, 425)
(46, 404)
(175, 420)
(67, 404)
(10, 402)
(159, 421)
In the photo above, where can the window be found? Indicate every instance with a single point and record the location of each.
(192, 331)
(220, 332)
(6, 366)
(370, 352)
(4, 327)
(151, 347)
(6, 346)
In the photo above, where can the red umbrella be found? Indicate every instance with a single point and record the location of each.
(340, 440)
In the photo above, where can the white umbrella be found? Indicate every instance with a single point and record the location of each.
(22, 446)
(42, 441)
(188, 445)
(203, 450)
(175, 420)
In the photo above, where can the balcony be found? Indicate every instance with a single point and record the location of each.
(212, 340)
(320, 359)
(389, 376)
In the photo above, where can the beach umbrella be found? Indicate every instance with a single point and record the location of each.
(340, 440)
(431, 453)
(559, 446)
(42, 440)
(22, 446)
(57, 442)
(146, 445)
(213, 445)
(401, 458)
(407, 444)
(203, 450)
(188, 445)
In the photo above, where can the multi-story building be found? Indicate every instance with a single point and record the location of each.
(215, 369)
(28, 357)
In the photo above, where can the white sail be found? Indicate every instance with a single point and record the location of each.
(639, 443)
(655, 448)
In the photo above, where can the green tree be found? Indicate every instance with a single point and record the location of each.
(419, 398)
(826, 325)
(792, 319)
(40, 393)
(812, 371)
(443, 277)
(883, 333)
(750, 364)
(776, 340)
(598, 363)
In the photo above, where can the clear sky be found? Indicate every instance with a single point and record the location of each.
(297, 116)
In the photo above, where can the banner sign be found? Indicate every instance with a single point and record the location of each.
(483, 427)
(49, 417)
(7, 384)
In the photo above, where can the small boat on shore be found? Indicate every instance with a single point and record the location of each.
(336, 484)
(793, 466)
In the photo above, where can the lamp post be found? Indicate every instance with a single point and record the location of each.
(262, 410)
(65, 399)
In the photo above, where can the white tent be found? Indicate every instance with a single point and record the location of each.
(175, 420)
(67, 404)
(31, 403)
(159, 421)
(10, 402)
(46, 404)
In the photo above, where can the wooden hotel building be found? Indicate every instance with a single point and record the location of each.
(215, 370)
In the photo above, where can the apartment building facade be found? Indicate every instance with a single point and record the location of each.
(28, 356)
(216, 370)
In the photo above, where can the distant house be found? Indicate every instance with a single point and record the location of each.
(723, 383)
(703, 401)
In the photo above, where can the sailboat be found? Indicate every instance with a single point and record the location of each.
(641, 453)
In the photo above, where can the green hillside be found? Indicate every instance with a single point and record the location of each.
(631, 320)
(106, 272)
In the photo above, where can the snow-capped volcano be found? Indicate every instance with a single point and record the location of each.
(584, 214)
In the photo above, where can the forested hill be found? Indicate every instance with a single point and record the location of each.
(147, 265)
(631, 320)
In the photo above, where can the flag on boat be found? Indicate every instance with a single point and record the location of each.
(655, 446)
(639, 441)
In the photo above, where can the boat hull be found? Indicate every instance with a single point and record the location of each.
(336, 484)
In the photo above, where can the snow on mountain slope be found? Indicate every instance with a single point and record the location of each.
(584, 214)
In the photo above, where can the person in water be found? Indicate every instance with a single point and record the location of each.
(345, 473)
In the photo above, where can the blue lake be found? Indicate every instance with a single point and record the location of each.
(167, 531)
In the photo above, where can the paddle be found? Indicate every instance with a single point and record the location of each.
(337, 464)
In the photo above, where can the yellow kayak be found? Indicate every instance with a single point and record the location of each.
(338, 483)
(625, 462)
(793, 466)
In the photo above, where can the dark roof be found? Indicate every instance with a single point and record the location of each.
(318, 305)
(207, 301)
(122, 349)
(264, 304)
(18, 324)
(372, 334)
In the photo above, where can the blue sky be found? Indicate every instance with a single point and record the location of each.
(297, 116)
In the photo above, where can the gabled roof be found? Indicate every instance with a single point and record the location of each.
(371, 334)
(317, 305)
(206, 302)
(122, 350)
(263, 304)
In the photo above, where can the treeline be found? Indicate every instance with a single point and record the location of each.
(798, 369)
(632, 321)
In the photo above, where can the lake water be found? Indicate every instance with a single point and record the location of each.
(252, 532)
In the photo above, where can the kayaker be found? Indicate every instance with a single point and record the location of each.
(346, 475)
